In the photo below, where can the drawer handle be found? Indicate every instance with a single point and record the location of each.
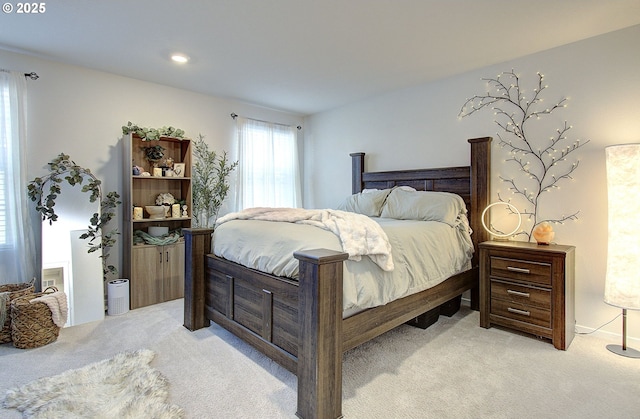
(519, 270)
(515, 310)
(518, 293)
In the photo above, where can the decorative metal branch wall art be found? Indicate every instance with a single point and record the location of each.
(544, 162)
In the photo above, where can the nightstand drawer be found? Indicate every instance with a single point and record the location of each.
(521, 294)
(521, 312)
(522, 270)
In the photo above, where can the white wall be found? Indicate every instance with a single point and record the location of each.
(418, 127)
(80, 112)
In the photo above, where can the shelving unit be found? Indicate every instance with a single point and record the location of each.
(155, 272)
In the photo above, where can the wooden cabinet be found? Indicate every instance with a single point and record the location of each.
(155, 269)
(173, 271)
(530, 288)
(158, 273)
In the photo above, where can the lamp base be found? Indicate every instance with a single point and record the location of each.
(501, 238)
(629, 352)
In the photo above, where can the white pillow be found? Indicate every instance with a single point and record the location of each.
(424, 206)
(367, 203)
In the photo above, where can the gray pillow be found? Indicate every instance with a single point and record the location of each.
(368, 202)
(424, 206)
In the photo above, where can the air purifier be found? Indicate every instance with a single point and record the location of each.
(117, 297)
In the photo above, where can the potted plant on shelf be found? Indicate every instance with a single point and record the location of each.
(154, 154)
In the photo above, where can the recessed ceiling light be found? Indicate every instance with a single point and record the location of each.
(179, 58)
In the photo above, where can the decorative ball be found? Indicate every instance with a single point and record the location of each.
(543, 233)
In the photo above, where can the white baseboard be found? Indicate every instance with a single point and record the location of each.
(601, 334)
(609, 336)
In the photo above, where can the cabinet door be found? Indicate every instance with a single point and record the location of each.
(173, 271)
(146, 276)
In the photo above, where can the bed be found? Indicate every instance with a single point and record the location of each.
(299, 323)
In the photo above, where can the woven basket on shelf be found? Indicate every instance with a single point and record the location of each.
(31, 323)
(15, 291)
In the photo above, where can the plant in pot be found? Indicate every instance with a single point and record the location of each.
(210, 175)
(154, 154)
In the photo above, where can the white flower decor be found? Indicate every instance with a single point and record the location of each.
(165, 199)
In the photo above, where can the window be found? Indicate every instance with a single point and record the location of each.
(5, 151)
(268, 174)
(17, 249)
(3, 208)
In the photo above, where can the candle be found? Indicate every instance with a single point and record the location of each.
(157, 171)
(137, 213)
(175, 211)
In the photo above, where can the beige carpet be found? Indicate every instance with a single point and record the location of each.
(454, 369)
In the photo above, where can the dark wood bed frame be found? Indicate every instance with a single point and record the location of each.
(299, 324)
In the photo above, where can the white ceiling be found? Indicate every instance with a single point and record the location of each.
(304, 56)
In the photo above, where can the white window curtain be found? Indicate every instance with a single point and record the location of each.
(17, 249)
(268, 170)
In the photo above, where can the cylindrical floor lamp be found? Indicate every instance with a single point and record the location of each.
(622, 283)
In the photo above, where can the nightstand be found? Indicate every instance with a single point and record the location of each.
(530, 288)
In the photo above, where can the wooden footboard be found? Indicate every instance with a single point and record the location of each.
(299, 323)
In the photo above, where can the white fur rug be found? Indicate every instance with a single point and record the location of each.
(124, 386)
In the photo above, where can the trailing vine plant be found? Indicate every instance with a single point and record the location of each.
(210, 175)
(545, 163)
(150, 134)
(63, 168)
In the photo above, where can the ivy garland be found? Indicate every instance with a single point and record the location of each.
(150, 134)
(63, 168)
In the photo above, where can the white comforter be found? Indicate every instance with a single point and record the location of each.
(359, 235)
(425, 253)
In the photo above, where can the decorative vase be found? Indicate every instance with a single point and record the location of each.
(155, 211)
(154, 162)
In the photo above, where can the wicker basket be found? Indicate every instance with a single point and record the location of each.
(15, 291)
(31, 323)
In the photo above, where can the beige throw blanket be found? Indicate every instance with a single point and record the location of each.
(359, 235)
(57, 302)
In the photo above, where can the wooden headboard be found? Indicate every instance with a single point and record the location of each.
(471, 182)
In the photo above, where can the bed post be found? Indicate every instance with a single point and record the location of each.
(320, 334)
(357, 168)
(480, 195)
(480, 185)
(197, 244)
